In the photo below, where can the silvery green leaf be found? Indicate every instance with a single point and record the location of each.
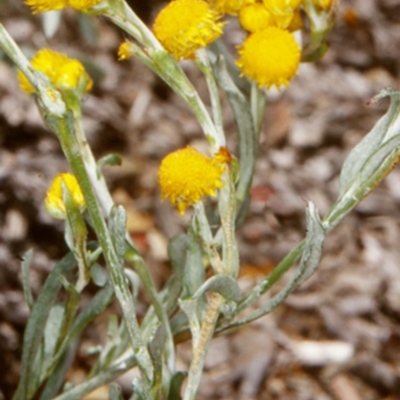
(190, 308)
(219, 49)
(310, 258)
(194, 273)
(225, 285)
(378, 157)
(157, 343)
(314, 245)
(383, 131)
(114, 392)
(36, 323)
(229, 310)
(177, 252)
(247, 131)
(99, 275)
(51, 22)
(57, 377)
(25, 265)
(52, 329)
(117, 227)
(87, 28)
(110, 159)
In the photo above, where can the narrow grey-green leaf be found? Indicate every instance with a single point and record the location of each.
(92, 310)
(87, 28)
(25, 266)
(114, 392)
(246, 130)
(313, 249)
(157, 343)
(382, 131)
(52, 330)
(377, 158)
(103, 377)
(190, 308)
(177, 252)
(109, 159)
(117, 227)
(36, 323)
(194, 274)
(225, 285)
(99, 275)
(311, 255)
(57, 378)
(51, 22)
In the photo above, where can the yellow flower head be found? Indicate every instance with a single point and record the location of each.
(184, 26)
(255, 17)
(39, 6)
(283, 5)
(231, 7)
(124, 51)
(54, 202)
(270, 57)
(64, 73)
(186, 175)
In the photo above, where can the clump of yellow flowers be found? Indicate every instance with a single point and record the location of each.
(39, 6)
(54, 202)
(269, 55)
(65, 73)
(187, 175)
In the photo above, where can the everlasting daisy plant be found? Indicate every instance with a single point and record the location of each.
(193, 305)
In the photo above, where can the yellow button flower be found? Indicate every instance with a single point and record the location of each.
(255, 17)
(269, 57)
(124, 51)
(184, 26)
(186, 175)
(39, 6)
(54, 202)
(64, 73)
(282, 5)
(231, 7)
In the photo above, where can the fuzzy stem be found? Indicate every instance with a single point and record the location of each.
(200, 347)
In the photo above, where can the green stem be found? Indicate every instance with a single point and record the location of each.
(200, 346)
(64, 128)
(137, 261)
(204, 64)
(103, 377)
(205, 237)
(166, 67)
(124, 17)
(227, 210)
